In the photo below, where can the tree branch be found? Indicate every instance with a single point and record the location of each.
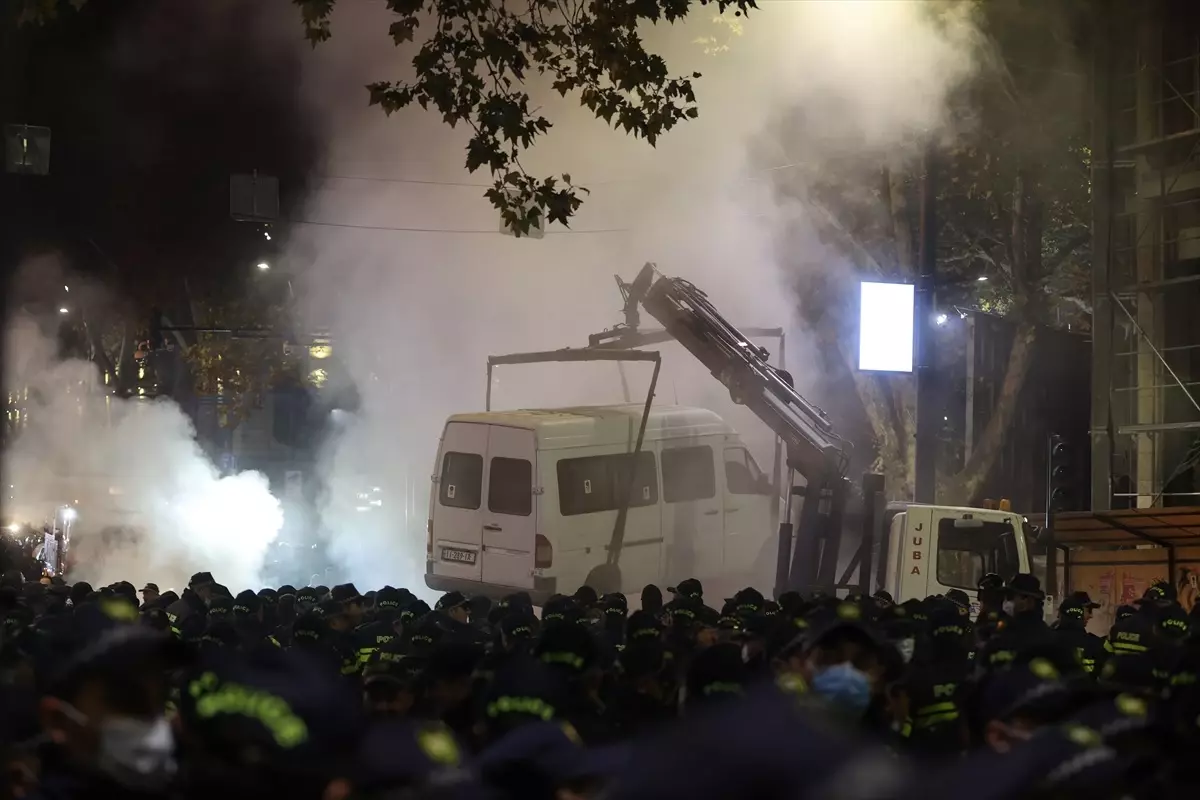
(1066, 250)
(846, 240)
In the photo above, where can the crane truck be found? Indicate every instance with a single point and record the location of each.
(620, 496)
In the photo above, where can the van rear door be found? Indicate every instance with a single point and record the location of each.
(510, 513)
(458, 510)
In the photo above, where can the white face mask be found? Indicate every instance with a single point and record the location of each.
(137, 753)
(1009, 606)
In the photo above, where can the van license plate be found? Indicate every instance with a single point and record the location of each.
(458, 556)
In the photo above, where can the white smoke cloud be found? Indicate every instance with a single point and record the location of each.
(415, 313)
(150, 505)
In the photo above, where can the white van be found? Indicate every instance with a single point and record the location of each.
(527, 501)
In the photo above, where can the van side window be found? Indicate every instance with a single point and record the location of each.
(510, 486)
(596, 483)
(461, 484)
(688, 474)
(742, 475)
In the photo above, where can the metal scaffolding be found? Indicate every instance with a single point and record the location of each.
(1146, 270)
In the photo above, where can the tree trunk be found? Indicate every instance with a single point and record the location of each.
(964, 488)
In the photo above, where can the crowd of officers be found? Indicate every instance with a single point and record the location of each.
(331, 694)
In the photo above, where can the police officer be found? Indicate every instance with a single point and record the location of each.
(1071, 627)
(1023, 599)
(937, 684)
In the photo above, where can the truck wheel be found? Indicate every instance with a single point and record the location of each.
(605, 579)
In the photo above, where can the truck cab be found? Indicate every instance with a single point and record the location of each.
(930, 550)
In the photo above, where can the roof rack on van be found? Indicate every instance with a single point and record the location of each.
(590, 354)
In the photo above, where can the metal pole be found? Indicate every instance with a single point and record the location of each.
(777, 469)
(1051, 548)
(1103, 163)
(872, 515)
(487, 403)
(925, 479)
(784, 556)
(1150, 343)
(618, 534)
(624, 381)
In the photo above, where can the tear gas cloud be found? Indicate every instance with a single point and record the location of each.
(150, 505)
(415, 313)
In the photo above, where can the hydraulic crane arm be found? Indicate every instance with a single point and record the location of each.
(813, 448)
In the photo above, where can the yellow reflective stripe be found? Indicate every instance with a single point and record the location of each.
(1124, 647)
(936, 708)
(906, 729)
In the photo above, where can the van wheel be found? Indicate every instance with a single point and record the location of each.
(605, 579)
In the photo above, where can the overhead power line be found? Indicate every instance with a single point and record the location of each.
(403, 229)
(479, 185)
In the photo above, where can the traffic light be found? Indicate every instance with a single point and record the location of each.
(1060, 476)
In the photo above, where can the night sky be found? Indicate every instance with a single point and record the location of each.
(152, 105)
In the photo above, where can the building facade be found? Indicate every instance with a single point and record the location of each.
(1145, 421)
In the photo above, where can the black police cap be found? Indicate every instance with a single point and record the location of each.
(246, 603)
(450, 600)
(346, 593)
(1025, 584)
(201, 579)
(688, 588)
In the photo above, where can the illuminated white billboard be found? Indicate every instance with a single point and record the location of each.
(885, 327)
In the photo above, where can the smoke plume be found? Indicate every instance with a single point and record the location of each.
(145, 503)
(404, 264)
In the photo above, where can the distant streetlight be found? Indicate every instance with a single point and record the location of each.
(941, 319)
(981, 278)
(263, 266)
(66, 288)
(64, 310)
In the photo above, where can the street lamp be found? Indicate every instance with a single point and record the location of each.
(64, 310)
(263, 266)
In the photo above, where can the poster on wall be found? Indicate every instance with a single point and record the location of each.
(1113, 586)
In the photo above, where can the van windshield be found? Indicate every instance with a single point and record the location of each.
(966, 554)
